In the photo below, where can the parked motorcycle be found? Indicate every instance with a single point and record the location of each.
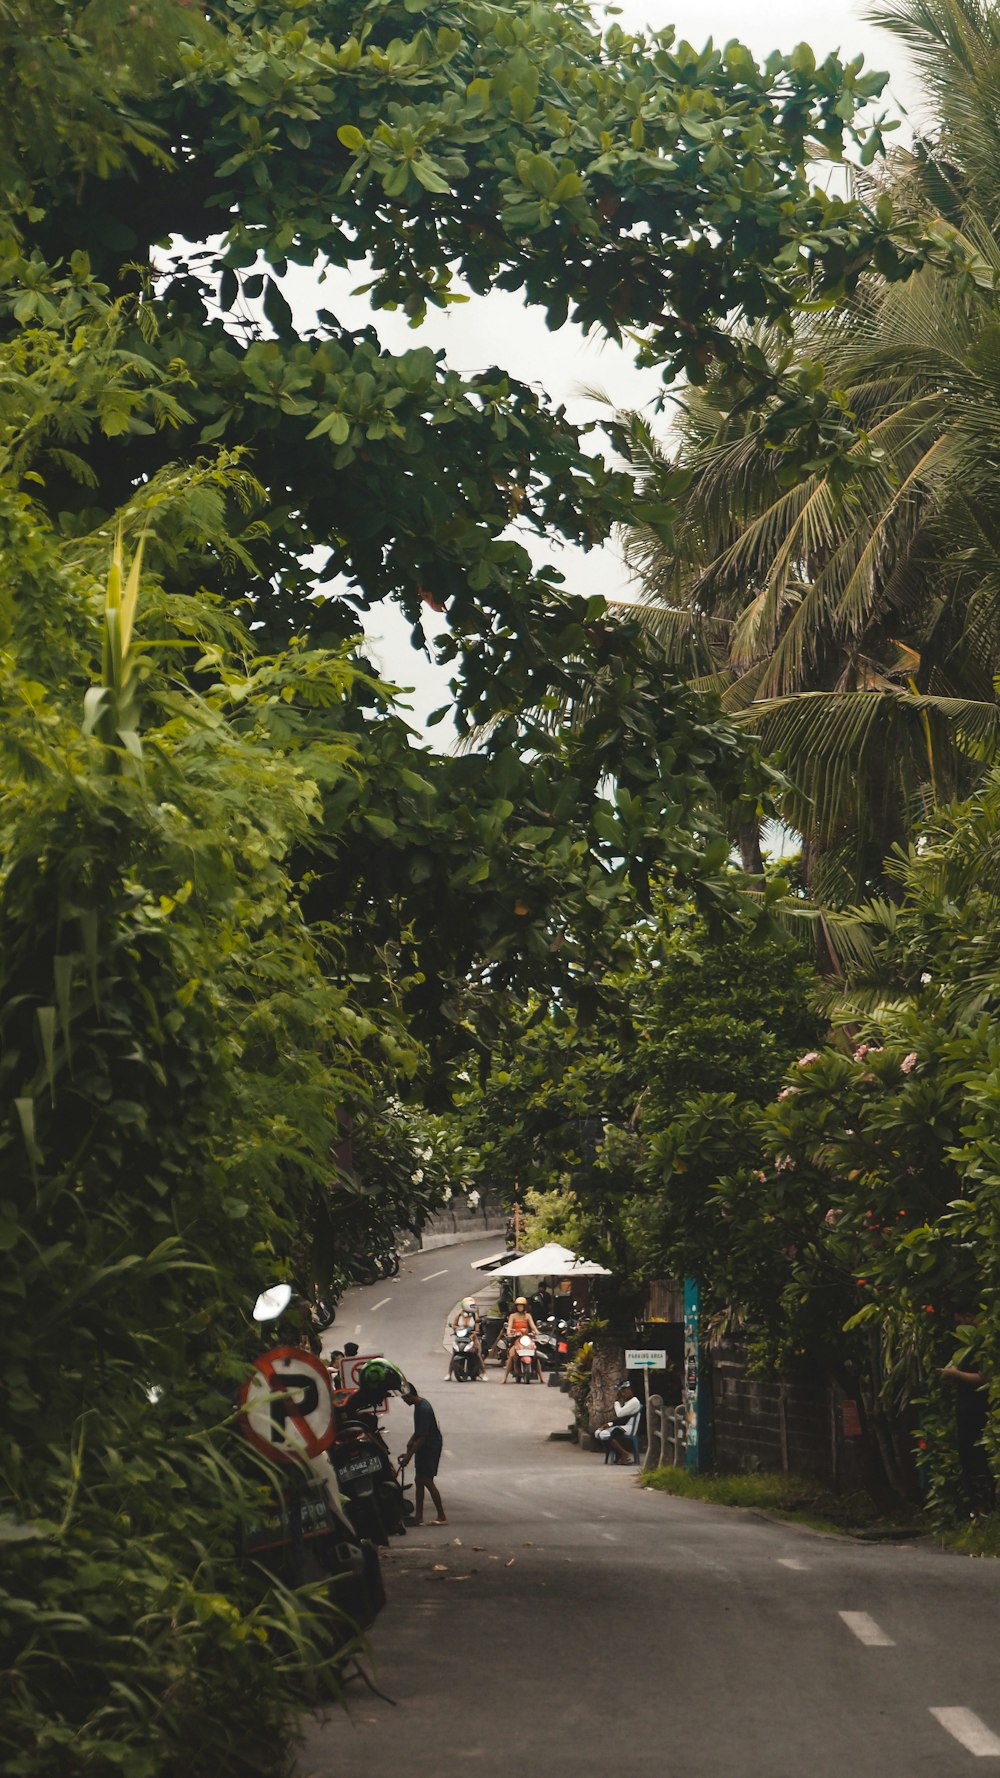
(553, 1344)
(304, 1534)
(466, 1363)
(303, 1537)
(373, 1495)
(375, 1267)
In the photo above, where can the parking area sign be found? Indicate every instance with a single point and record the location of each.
(641, 1358)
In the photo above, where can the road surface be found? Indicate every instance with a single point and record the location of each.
(568, 1622)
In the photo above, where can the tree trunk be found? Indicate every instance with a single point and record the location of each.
(748, 840)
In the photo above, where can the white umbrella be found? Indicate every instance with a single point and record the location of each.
(551, 1261)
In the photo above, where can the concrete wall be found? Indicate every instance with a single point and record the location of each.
(457, 1223)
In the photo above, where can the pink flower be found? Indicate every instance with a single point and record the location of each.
(761, 1176)
(832, 1217)
(784, 1164)
(861, 1051)
(786, 1092)
(808, 1059)
(909, 1062)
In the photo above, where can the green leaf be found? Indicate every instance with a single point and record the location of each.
(46, 1020)
(429, 174)
(334, 425)
(25, 1108)
(276, 308)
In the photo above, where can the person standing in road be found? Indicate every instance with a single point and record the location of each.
(425, 1447)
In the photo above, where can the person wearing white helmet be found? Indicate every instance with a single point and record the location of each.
(467, 1315)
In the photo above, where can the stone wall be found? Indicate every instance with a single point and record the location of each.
(776, 1422)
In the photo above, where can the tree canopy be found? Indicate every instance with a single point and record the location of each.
(629, 180)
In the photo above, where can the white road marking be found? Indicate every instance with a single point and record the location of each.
(609, 1537)
(381, 1305)
(792, 1562)
(546, 1515)
(431, 1275)
(967, 1728)
(866, 1629)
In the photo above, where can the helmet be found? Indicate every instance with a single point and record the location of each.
(468, 1302)
(379, 1377)
(520, 1302)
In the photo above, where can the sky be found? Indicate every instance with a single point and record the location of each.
(500, 329)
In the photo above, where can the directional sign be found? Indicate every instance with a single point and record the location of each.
(288, 1405)
(640, 1358)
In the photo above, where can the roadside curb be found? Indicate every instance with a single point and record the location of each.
(877, 1535)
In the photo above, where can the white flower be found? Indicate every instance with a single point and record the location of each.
(808, 1059)
(909, 1062)
(426, 1154)
(417, 1177)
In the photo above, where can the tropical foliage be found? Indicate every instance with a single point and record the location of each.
(243, 917)
(858, 636)
(582, 1116)
(866, 1230)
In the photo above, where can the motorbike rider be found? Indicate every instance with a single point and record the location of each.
(520, 1321)
(467, 1315)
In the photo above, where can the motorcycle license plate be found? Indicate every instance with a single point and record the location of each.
(356, 1467)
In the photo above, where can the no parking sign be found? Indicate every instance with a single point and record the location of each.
(287, 1405)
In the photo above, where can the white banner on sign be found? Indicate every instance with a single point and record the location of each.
(640, 1358)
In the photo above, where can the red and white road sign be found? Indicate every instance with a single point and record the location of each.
(350, 1368)
(287, 1405)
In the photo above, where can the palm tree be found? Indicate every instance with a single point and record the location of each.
(859, 637)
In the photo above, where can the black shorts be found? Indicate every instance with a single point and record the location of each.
(425, 1463)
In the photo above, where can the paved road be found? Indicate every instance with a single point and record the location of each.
(568, 1622)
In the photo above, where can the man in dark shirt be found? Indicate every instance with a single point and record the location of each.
(424, 1447)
